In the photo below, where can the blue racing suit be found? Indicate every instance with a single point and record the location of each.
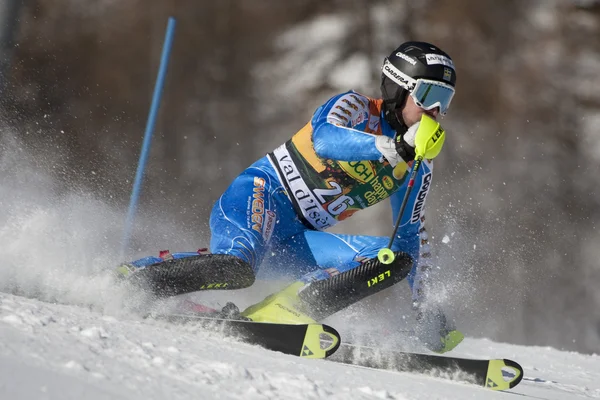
(275, 213)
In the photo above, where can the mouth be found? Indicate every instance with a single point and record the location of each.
(432, 113)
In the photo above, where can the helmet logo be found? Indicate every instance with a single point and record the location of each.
(406, 58)
(447, 74)
(433, 59)
(398, 76)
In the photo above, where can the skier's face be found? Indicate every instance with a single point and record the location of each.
(412, 113)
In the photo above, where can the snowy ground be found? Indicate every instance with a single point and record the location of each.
(54, 246)
(50, 351)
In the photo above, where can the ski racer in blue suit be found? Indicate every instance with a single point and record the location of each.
(354, 152)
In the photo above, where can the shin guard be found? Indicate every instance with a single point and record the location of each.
(190, 274)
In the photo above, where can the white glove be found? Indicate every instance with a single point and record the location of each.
(398, 149)
(387, 147)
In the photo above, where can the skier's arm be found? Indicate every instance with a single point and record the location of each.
(337, 130)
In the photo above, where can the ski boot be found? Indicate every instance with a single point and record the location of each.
(284, 307)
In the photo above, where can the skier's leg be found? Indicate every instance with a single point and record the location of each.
(349, 271)
(345, 270)
(328, 291)
(243, 222)
(252, 215)
(187, 274)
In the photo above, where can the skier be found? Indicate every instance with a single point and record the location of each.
(355, 152)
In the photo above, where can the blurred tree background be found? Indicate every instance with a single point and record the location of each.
(515, 203)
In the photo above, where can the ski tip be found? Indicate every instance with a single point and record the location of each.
(320, 341)
(336, 345)
(503, 374)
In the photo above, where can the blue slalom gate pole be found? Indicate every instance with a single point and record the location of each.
(151, 122)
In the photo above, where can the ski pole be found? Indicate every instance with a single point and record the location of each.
(386, 255)
(429, 140)
(158, 88)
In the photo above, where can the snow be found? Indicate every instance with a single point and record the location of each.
(54, 248)
(52, 351)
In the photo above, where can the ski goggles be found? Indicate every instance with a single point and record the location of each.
(429, 94)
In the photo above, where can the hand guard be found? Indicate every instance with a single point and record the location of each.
(435, 331)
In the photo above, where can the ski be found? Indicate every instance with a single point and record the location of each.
(306, 340)
(495, 374)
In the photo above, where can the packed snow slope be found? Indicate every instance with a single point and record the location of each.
(56, 246)
(52, 351)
